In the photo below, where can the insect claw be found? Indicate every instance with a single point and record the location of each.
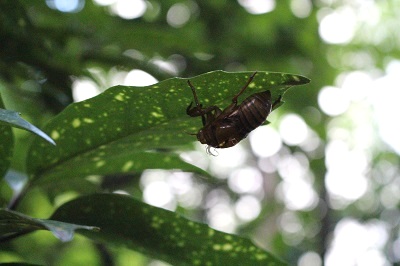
(188, 108)
(234, 99)
(208, 150)
(277, 103)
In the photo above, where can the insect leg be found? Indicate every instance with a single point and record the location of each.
(234, 99)
(194, 94)
(210, 113)
(277, 103)
(198, 105)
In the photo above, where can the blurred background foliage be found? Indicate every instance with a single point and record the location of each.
(320, 184)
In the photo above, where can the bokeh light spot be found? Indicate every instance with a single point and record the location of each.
(297, 195)
(265, 141)
(333, 101)
(301, 8)
(158, 194)
(247, 208)
(258, 6)
(345, 176)
(129, 9)
(293, 129)
(137, 77)
(83, 89)
(67, 6)
(385, 103)
(338, 27)
(104, 2)
(310, 259)
(354, 242)
(245, 180)
(222, 217)
(178, 15)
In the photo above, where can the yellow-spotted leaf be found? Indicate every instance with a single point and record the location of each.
(159, 233)
(129, 129)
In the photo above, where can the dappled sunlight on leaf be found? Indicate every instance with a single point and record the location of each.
(124, 129)
(160, 233)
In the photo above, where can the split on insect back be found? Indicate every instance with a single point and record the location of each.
(225, 128)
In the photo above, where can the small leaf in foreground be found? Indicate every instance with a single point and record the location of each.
(14, 224)
(160, 233)
(14, 119)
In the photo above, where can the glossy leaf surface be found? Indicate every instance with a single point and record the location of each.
(123, 129)
(159, 233)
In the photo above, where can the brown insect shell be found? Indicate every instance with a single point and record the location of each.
(220, 132)
(227, 129)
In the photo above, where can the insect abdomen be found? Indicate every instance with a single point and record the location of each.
(253, 111)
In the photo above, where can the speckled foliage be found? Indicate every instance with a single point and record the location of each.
(121, 219)
(131, 129)
(120, 130)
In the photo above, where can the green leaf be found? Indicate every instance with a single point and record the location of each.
(14, 119)
(159, 233)
(6, 145)
(14, 224)
(122, 129)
